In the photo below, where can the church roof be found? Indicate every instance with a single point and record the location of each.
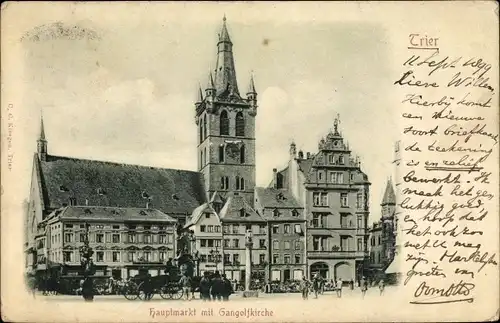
(276, 198)
(305, 165)
(114, 214)
(237, 209)
(172, 191)
(389, 195)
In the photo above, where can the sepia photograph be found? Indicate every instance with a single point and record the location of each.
(214, 162)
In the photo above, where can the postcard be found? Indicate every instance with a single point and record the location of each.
(250, 161)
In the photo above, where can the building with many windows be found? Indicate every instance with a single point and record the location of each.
(286, 232)
(207, 228)
(237, 218)
(334, 192)
(123, 239)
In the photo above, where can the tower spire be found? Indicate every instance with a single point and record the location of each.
(42, 142)
(200, 93)
(251, 86)
(225, 73)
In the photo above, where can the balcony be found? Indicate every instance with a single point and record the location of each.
(336, 254)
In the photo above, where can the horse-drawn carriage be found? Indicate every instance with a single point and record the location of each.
(144, 286)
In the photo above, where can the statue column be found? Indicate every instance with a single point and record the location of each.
(248, 266)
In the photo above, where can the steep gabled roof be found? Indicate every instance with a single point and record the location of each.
(198, 212)
(172, 191)
(276, 198)
(389, 195)
(305, 165)
(235, 207)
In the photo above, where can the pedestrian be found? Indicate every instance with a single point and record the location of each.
(304, 287)
(351, 284)
(339, 287)
(316, 282)
(364, 286)
(227, 289)
(88, 289)
(216, 289)
(205, 287)
(186, 283)
(381, 286)
(31, 284)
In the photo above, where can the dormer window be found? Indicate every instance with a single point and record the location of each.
(295, 213)
(142, 212)
(144, 195)
(100, 191)
(175, 197)
(242, 213)
(87, 211)
(276, 213)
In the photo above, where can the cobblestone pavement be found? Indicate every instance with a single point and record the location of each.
(346, 294)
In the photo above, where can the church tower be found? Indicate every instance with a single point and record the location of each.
(226, 128)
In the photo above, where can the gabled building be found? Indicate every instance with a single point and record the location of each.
(206, 226)
(286, 232)
(334, 192)
(238, 217)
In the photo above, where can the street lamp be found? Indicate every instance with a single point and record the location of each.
(216, 256)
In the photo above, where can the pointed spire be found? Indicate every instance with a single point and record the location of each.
(200, 94)
(251, 87)
(389, 195)
(224, 34)
(210, 84)
(42, 129)
(225, 73)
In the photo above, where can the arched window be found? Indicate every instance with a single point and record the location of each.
(240, 125)
(224, 183)
(206, 156)
(224, 123)
(221, 153)
(242, 155)
(240, 183)
(205, 126)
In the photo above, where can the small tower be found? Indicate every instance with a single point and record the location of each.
(293, 150)
(388, 202)
(252, 96)
(42, 143)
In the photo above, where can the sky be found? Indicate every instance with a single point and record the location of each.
(126, 92)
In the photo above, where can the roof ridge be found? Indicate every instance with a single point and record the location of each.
(118, 163)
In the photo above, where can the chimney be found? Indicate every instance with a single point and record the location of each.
(275, 177)
(86, 202)
(301, 154)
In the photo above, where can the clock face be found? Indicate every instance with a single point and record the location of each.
(233, 150)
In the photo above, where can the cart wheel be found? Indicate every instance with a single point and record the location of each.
(142, 295)
(130, 291)
(165, 292)
(176, 292)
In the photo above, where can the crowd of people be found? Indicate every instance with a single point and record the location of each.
(317, 286)
(215, 287)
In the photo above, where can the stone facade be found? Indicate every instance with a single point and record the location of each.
(334, 192)
(123, 240)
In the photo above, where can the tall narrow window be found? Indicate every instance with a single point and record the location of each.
(240, 125)
(224, 123)
(201, 159)
(205, 126)
(201, 132)
(221, 153)
(206, 157)
(237, 183)
(242, 155)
